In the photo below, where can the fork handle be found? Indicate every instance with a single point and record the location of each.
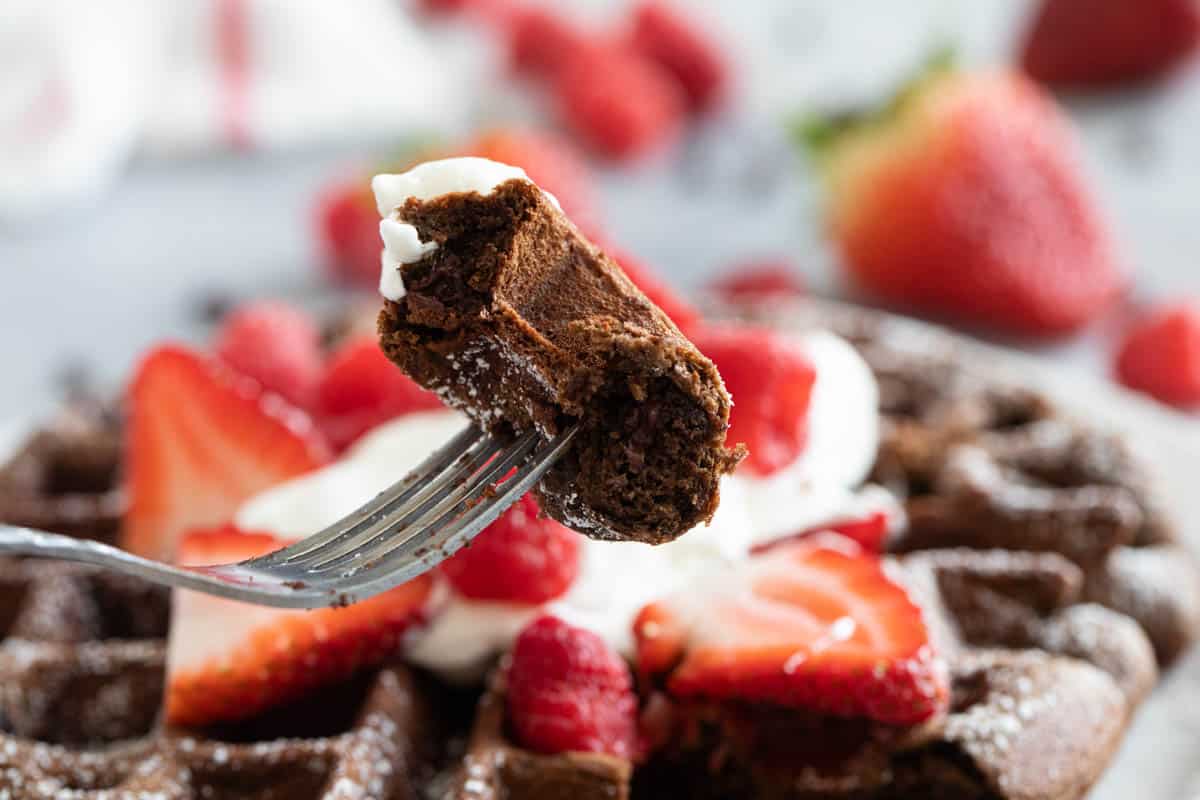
(256, 589)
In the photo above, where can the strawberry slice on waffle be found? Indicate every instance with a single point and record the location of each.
(202, 440)
(228, 661)
(816, 624)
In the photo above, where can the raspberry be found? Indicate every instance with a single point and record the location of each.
(276, 345)
(361, 390)
(541, 42)
(567, 690)
(519, 558)
(347, 227)
(1161, 355)
(771, 381)
(618, 102)
(665, 36)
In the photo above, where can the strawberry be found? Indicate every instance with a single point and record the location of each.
(666, 36)
(201, 440)
(348, 231)
(757, 280)
(771, 380)
(815, 624)
(568, 691)
(277, 345)
(228, 661)
(361, 390)
(682, 313)
(541, 41)
(968, 202)
(519, 558)
(1098, 43)
(550, 161)
(1161, 355)
(618, 102)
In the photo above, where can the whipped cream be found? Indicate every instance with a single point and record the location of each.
(401, 243)
(616, 578)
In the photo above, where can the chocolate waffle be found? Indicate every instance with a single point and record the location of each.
(983, 463)
(1047, 667)
(81, 679)
(65, 477)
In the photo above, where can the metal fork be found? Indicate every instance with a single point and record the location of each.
(406, 530)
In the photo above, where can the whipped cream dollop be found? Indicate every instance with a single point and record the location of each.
(616, 578)
(401, 243)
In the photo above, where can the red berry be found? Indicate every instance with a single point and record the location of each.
(229, 661)
(815, 624)
(619, 103)
(550, 161)
(682, 313)
(202, 440)
(541, 41)
(869, 531)
(756, 280)
(770, 380)
(361, 390)
(1161, 355)
(970, 204)
(348, 232)
(568, 691)
(277, 345)
(1096, 43)
(519, 558)
(667, 37)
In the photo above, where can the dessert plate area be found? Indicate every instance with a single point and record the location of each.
(1160, 757)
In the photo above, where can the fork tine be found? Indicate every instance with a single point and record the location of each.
(397, 512)
(419, 521)
(412, 484)
(405, 560)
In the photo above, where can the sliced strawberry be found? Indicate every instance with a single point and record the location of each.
(816, 624)
(682, 313)
(668, 37)
(551, 162)
(361, 390)
(968, 202)
(347, 226)
(568, 691)
(277, 345)
(519, 558)
(870, 532)
(201, 439)
(1098, 43)
(228, 661)
(756, 280)
(1161, 355)
(770, 380)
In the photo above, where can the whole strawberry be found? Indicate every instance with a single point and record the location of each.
(567, 690)
(1098, 43)
(1161, 355)
(966, 201)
